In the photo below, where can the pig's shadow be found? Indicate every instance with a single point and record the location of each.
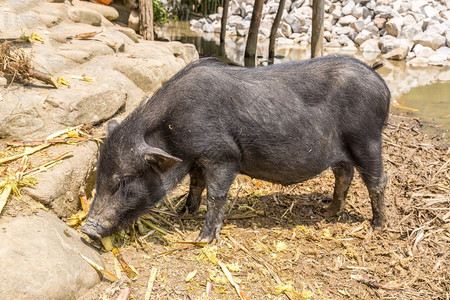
(284, 210)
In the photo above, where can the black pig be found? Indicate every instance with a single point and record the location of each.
(283, 123)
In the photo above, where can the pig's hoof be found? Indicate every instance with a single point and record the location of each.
(378, 223)
(204, 239)
(189, 210)
(331, 212)
(209, 236)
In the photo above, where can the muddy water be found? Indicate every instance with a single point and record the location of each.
(423, 92)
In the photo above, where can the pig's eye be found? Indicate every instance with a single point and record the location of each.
(126, 180)
(123, 182)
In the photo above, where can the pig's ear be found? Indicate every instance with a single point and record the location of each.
(161, 161)
(110, 126)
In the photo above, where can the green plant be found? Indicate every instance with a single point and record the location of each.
(159, 13)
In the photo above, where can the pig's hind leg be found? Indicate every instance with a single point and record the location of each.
(343, 174)
(196, 187)
(219, 178)
(370, 165)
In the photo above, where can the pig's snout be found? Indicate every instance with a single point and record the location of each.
(92, 230)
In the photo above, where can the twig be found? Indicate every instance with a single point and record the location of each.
(124, 293)
(440, 169)
(27, 152)
(234, 217)
(236, 286)
(174, 250)
(234, 200)
(49, 164)
(375, 284)
(46, 78)
(151, 281)
(99, 268)
(125, 267)
(170, 205)
(169, 224)
(152, 226)
(4, 196)
(54, 141)
(164, 212)
(289, 209)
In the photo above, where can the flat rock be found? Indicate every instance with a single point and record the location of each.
(12, 24)
(363, 36)
(347, 20)
(40, 259)
(423, 51)
(84, 15)
(109, 12)
(397, 53)
(430, 39)
(438, 60)
(358, 26)
(409, 31)
(18, 114)
(444, 51)
(380, 22)
(347, 9)
(394, 26)
(31, 113)
(133, 20)
(444, 75)
(58, 187)
(370, 45)
(49, 61)
(85, 102)
(388, 43)
(150, 69)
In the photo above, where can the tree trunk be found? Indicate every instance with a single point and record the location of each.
(146, 19)
(317, 29)
(223, 27)
(273, 31)
(252, 37)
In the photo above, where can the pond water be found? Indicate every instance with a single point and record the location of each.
(418, 91)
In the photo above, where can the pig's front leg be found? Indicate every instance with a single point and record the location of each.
(196, 188)
(219, 178)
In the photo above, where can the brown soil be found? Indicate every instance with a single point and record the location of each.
(278, 245)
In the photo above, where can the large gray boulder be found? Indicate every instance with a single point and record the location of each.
(40, 259)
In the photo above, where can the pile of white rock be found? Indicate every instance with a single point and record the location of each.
(404, 29)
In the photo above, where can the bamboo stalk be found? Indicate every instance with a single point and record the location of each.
(4, 196)
(27, 152)
(151, 281)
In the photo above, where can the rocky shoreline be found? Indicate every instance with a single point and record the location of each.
(417, 30)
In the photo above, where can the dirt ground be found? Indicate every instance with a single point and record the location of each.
(277, 245)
